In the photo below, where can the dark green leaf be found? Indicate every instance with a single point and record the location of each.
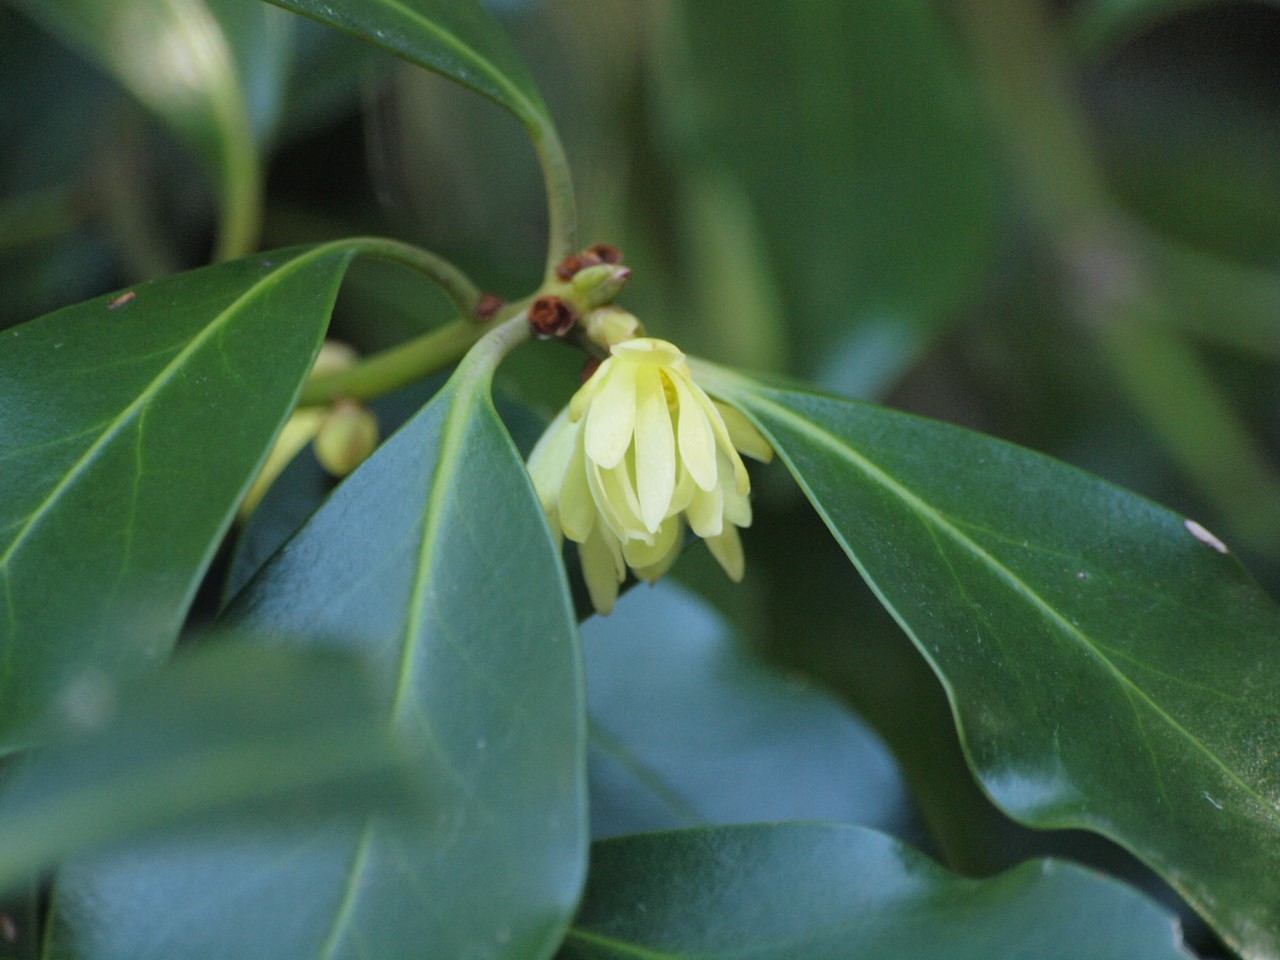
(434, 560)
(233, 729)
(856, 132)
(1109, 665)
(820, 892)
(131, 427)
(688, 728)
(175, 59)
(456, 38)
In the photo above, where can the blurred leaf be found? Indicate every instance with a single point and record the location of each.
(688, 728)
(232, 729)
(1099, 26)
(434, 560)
(1194, 148)
(1218, 300)
(857, 134)
(457, 38)
(174, 56)
(1109, 667)
(131, 427)
(261, 39)
(822, 892)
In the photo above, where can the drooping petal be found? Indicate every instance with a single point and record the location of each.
(550, 459)
(599, 571)
(706, 512)
(656, 569)
(655, 450)
(611, 419)
(741, 481)
(615, 498)
(697, 439)
(727, 549)
(743, 434)
(577, 508)
(640, 555)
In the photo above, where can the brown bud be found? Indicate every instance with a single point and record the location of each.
(602, 253)
(488, 305)
(551, 317)
(567, 267)
(591, 365)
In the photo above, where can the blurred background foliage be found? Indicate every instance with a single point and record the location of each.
(1056, 223)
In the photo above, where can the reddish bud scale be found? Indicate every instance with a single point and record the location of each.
(487, 306)
(551, 317)
(592, 256)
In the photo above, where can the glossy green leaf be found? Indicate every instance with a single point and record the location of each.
(432, 559)
(1109, 664)
(232, 729)
(456, 38)
(131, 425)
(824, 892)
(175, 58)
(687, 727)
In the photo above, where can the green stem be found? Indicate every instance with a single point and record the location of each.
(562, 212)
(397, 367)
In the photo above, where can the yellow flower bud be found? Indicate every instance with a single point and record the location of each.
(640, 452)
(345, 439)
(610, 325)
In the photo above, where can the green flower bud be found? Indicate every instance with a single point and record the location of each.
(598, 285)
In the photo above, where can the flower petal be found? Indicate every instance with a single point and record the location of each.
(665, 547)
(599, 570)
(655, 449)
(697, 439)
(727, 549)
(746, 439)
(550, 458)
(576, 506)
(611, 418)
(741, 480)
(706, 512)
(648, 350)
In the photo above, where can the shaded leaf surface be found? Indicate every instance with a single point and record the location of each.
(1108, 668)
(689, 728)
(456, 38)
(230, 729)
(823, 892)
(129, 432)
(433, 559)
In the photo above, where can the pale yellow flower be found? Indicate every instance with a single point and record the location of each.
(640, 452)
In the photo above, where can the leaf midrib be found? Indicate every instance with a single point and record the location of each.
(118, 423)
(929, 514)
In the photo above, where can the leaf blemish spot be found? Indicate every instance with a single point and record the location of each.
(1215, 803)
(121, 300)
(1204, 536)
